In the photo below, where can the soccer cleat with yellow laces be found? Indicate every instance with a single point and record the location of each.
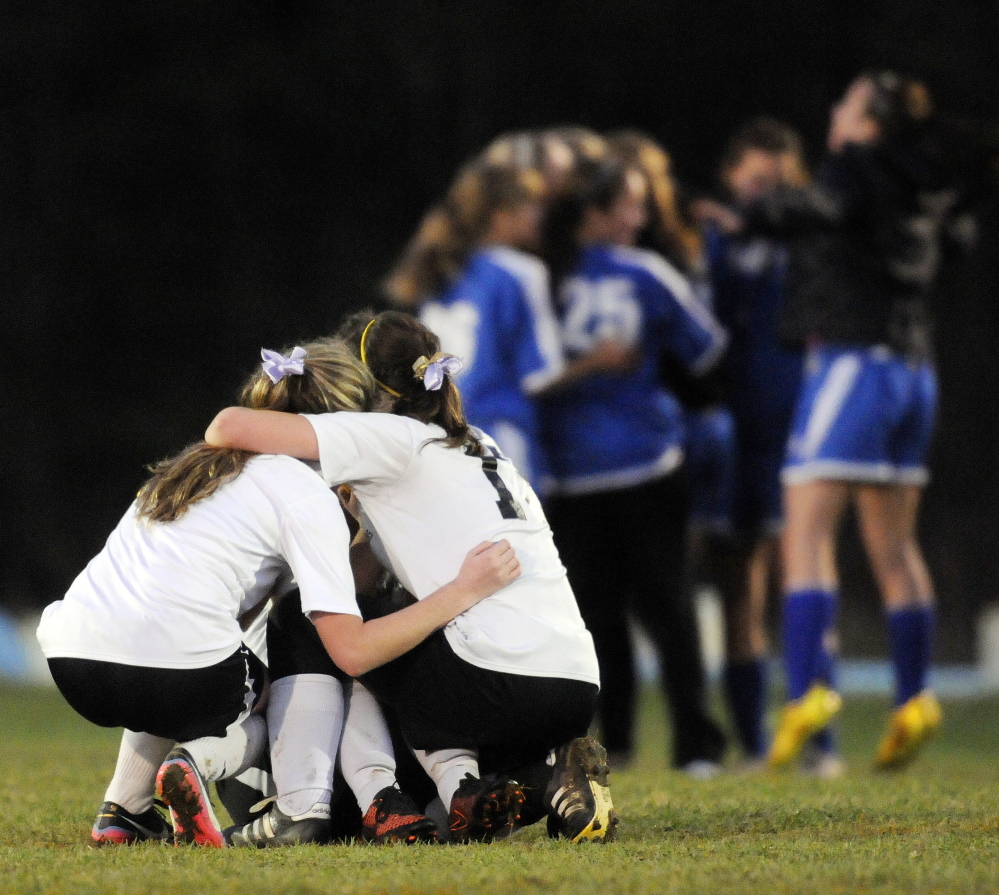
(911, 725)
(799, 720)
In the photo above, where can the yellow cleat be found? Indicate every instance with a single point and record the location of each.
(799, 720)
(911, 725)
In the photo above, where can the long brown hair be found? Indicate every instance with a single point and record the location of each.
(333, 380)
(451, 230)
(593, 184)
(393, 341)
(670, 232)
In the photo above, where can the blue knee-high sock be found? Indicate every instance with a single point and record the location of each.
(910, 635)
(808, 615)
(745, 692)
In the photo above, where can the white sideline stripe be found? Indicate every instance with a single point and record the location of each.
(838, 383)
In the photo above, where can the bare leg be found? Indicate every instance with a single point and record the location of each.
(888, 515)
(814, 512)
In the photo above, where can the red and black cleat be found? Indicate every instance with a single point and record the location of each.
(486, 809)
(394, 817)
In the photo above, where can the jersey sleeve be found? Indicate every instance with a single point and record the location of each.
(538, 355)
(316, 545)
(376, 447)
(681, 323)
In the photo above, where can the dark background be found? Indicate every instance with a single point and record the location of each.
(183, 182)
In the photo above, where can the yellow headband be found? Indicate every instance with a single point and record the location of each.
(364, 359)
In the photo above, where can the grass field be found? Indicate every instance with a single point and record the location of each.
(932, 829)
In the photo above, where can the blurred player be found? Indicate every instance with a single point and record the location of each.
(749, 278)
(709, 443)
(617, 449)
(468, 276)
(865, 244)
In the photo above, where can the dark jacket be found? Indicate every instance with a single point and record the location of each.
(864, 244)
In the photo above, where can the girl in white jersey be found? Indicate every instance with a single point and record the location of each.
(512, 683)
(149, 635)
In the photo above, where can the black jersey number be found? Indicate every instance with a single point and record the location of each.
(508, 506)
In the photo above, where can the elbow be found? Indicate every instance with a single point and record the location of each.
(352, 664)
(226, 428)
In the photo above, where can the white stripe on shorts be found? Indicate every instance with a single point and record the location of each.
(834, 391)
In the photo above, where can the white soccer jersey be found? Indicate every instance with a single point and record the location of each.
(430, 505)
(168, 595)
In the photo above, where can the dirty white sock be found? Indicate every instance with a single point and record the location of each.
(305, 720)
(366, 755)
(228, 756)
(447, 768)
(134, 782)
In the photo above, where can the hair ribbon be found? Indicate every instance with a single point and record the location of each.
(433, 370)
(277, 366)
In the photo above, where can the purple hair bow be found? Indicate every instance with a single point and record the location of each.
(277, 366)
(432, 371)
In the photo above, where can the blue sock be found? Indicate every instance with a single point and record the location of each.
(910, 634)
(745, 692)
(808, 614)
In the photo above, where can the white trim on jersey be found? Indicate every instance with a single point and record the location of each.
(835, 389)
(533, 277)
(682, 290)
(861, 473)
(622, 478)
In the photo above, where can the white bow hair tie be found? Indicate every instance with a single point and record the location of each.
(277, 366)
(432, 372)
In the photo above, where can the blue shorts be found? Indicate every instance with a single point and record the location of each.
(865, 414)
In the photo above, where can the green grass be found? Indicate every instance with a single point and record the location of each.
(932, 829)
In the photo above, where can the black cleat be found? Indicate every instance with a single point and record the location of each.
(116, 826)
(579, 799)
(486, 809)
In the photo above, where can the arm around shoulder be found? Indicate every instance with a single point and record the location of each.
(263, 431)
(358, 646)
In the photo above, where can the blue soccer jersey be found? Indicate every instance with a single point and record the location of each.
(611, 431)
(498, 318)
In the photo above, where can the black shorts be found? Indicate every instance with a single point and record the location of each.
(293, 643)
(177, 703)
(444, 702)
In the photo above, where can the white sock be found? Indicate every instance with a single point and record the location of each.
(134, 782)
(305, 720)
(366, 756)
(228, 756)
(447, 768)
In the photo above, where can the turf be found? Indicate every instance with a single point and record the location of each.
(934, 828)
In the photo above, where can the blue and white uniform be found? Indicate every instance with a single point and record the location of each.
(619, 518)
(749, 277)
(866, 414)
(613, 431)
(498, 318)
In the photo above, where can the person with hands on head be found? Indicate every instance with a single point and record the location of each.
(864, 248)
